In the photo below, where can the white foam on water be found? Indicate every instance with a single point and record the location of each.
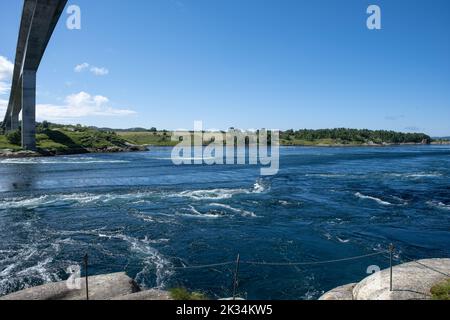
(403, 202)
(343, 240)
(379, 201)
(39, 270)
(438, 204)
(197, 214)
(18, 270)
(425, 175)
(46, 200)
(80, 198)
(212, 194)
(417, 175)
(13, 203)
(325, 175)
(242, 212)
(137, 197)
(312, 293)
(153, 259)
(328, 236)
(220, 194)
(144, 217)
(259, 186)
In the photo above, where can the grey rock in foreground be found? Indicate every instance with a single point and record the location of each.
(340, 293)
(411, 281)
(103, 287)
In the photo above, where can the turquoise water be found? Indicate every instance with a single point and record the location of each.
(139, 213)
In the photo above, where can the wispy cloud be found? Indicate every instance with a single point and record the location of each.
(413, 129)
(98, 71)
(80, 105)
(3, 107)
(6, 73)
(81, 67)
(4, 87)
(394, 117)
(179, 4)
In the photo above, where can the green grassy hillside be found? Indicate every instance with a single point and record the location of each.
(325, 137)
(157, 138)
(70, 140)
(61, 139)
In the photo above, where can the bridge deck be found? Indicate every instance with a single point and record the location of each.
(39, 19)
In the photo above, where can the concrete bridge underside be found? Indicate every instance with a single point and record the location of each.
(39, 19)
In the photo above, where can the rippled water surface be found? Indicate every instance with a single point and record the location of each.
(139, 213)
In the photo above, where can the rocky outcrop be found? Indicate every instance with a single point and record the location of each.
(340, 293)
(7, 153)
(103, 287)
(411, 281)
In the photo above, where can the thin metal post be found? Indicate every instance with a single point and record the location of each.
(87, 275)
(391, 253)
(236, 275)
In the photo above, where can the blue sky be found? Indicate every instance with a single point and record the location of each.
(244, 63)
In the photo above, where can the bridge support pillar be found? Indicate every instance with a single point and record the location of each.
(29, 110)
(6, 125)
(14, 121)
(14, 125)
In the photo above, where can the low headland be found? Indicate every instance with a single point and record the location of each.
(55, 139)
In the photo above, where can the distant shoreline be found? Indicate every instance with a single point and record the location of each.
(55, 140)
(18, 154)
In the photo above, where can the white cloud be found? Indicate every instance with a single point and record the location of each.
(3, 107)
(394, 117)
(80, 105)
(6, 73)
(412, 129)
(4, 87)
(98, 71)
(81, 67)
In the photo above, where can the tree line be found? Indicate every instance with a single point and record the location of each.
(356, 135)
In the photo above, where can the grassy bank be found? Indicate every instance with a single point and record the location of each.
(162, 139)
(70, 140)
(325, 137)
(441, 291)
(5, 144)
(182, 294)
(155, 138)
(54, 139)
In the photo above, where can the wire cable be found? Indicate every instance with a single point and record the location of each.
(313, 262)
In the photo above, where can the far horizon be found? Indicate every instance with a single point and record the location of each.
(224, 129)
